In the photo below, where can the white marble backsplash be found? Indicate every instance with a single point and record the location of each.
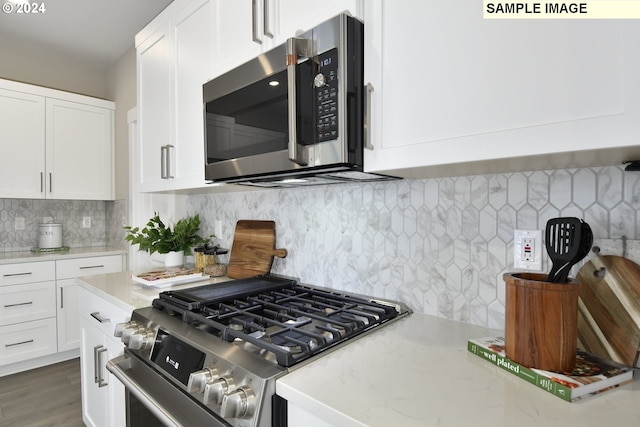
(439, 245)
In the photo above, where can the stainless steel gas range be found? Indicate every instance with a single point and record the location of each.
(211, 355)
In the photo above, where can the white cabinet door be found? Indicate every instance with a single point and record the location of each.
(67, 314)
(292, 16)
(102, 394)
(193, 38)
(239, 28)
(455, 92)
(22, 130)
(95, 399)
(79, 151)
(68, 293)
(155, 58)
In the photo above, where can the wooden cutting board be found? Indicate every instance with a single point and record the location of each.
(609, 308)
(253, 249)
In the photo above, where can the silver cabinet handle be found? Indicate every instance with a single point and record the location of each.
(368, 143)
(28, 273)
(255, 32)
(96, 374)
(165, 161)
(96, 315)
(88, 267)
(18, 343)
(61, 297)
(296, 46)
(50, 182)
(102, 382)
(267, 19)
(41, 182)
(18, 304)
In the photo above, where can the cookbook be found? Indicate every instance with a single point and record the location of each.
(592, 375)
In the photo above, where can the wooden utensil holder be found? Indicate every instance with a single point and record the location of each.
(541, 321)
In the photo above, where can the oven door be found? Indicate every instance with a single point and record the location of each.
(152, 400)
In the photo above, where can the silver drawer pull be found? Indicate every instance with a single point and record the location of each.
(18, 343)
(18, 304)
(92, 266)
(17, 274)
(96, 315)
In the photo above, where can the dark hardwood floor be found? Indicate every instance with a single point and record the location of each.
(43, 397)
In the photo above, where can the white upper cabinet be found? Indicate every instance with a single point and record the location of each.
(22, 130)
(245, 28)
(57, 145)
(455, 94)
(154, 108)
(174, 60)
(80, 154)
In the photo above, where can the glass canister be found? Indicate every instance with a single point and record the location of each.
(199, 255)
(214, 262)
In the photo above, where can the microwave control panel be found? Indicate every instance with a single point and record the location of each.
(326, 94)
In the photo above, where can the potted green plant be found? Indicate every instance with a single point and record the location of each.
(175, 242)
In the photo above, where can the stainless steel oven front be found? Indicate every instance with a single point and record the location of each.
(151, 400)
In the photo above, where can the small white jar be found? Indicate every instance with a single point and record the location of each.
(49, 236)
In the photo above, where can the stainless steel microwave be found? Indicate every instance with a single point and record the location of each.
(294, 115)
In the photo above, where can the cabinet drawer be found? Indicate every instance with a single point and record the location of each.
(101, 313)
(27, 340)
(29, 301)
(77, 267)
(27, 272)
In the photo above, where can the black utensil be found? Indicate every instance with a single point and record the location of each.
(586, 240)
(562, 239)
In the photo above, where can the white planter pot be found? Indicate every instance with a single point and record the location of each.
(174, 259)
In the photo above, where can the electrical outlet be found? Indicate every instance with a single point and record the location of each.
(527, 250)
(86, 222)
(19, 223)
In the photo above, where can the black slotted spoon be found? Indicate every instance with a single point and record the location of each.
(563, 242)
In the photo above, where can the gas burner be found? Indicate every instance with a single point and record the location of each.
(275, 315)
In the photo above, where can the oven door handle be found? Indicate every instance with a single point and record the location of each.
(119, 367)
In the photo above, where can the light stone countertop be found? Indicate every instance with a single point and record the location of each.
(28, 256)
(418, 372)
(120, 290)
(414, 372)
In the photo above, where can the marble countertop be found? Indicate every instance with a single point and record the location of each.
(28, 256)
(418, 372)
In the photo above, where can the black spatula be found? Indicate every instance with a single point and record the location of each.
(586, 240)
(562, 239)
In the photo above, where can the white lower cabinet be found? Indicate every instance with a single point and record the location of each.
(67, 293)
(103, 396)
(27, 340)
(40, 307)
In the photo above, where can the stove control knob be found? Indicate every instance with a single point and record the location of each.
(199, 379)
(215, 391)
(141, 340)
(128, 331)
(120, 327)
(240, 403)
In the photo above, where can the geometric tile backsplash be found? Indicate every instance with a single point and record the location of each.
(69, 213)
(440, 245)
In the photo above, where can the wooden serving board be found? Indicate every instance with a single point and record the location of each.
(253, 249)
(609, 308)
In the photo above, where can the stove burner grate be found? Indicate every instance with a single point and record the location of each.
(292, 322)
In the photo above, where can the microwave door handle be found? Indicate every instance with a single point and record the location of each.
(295, 47)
